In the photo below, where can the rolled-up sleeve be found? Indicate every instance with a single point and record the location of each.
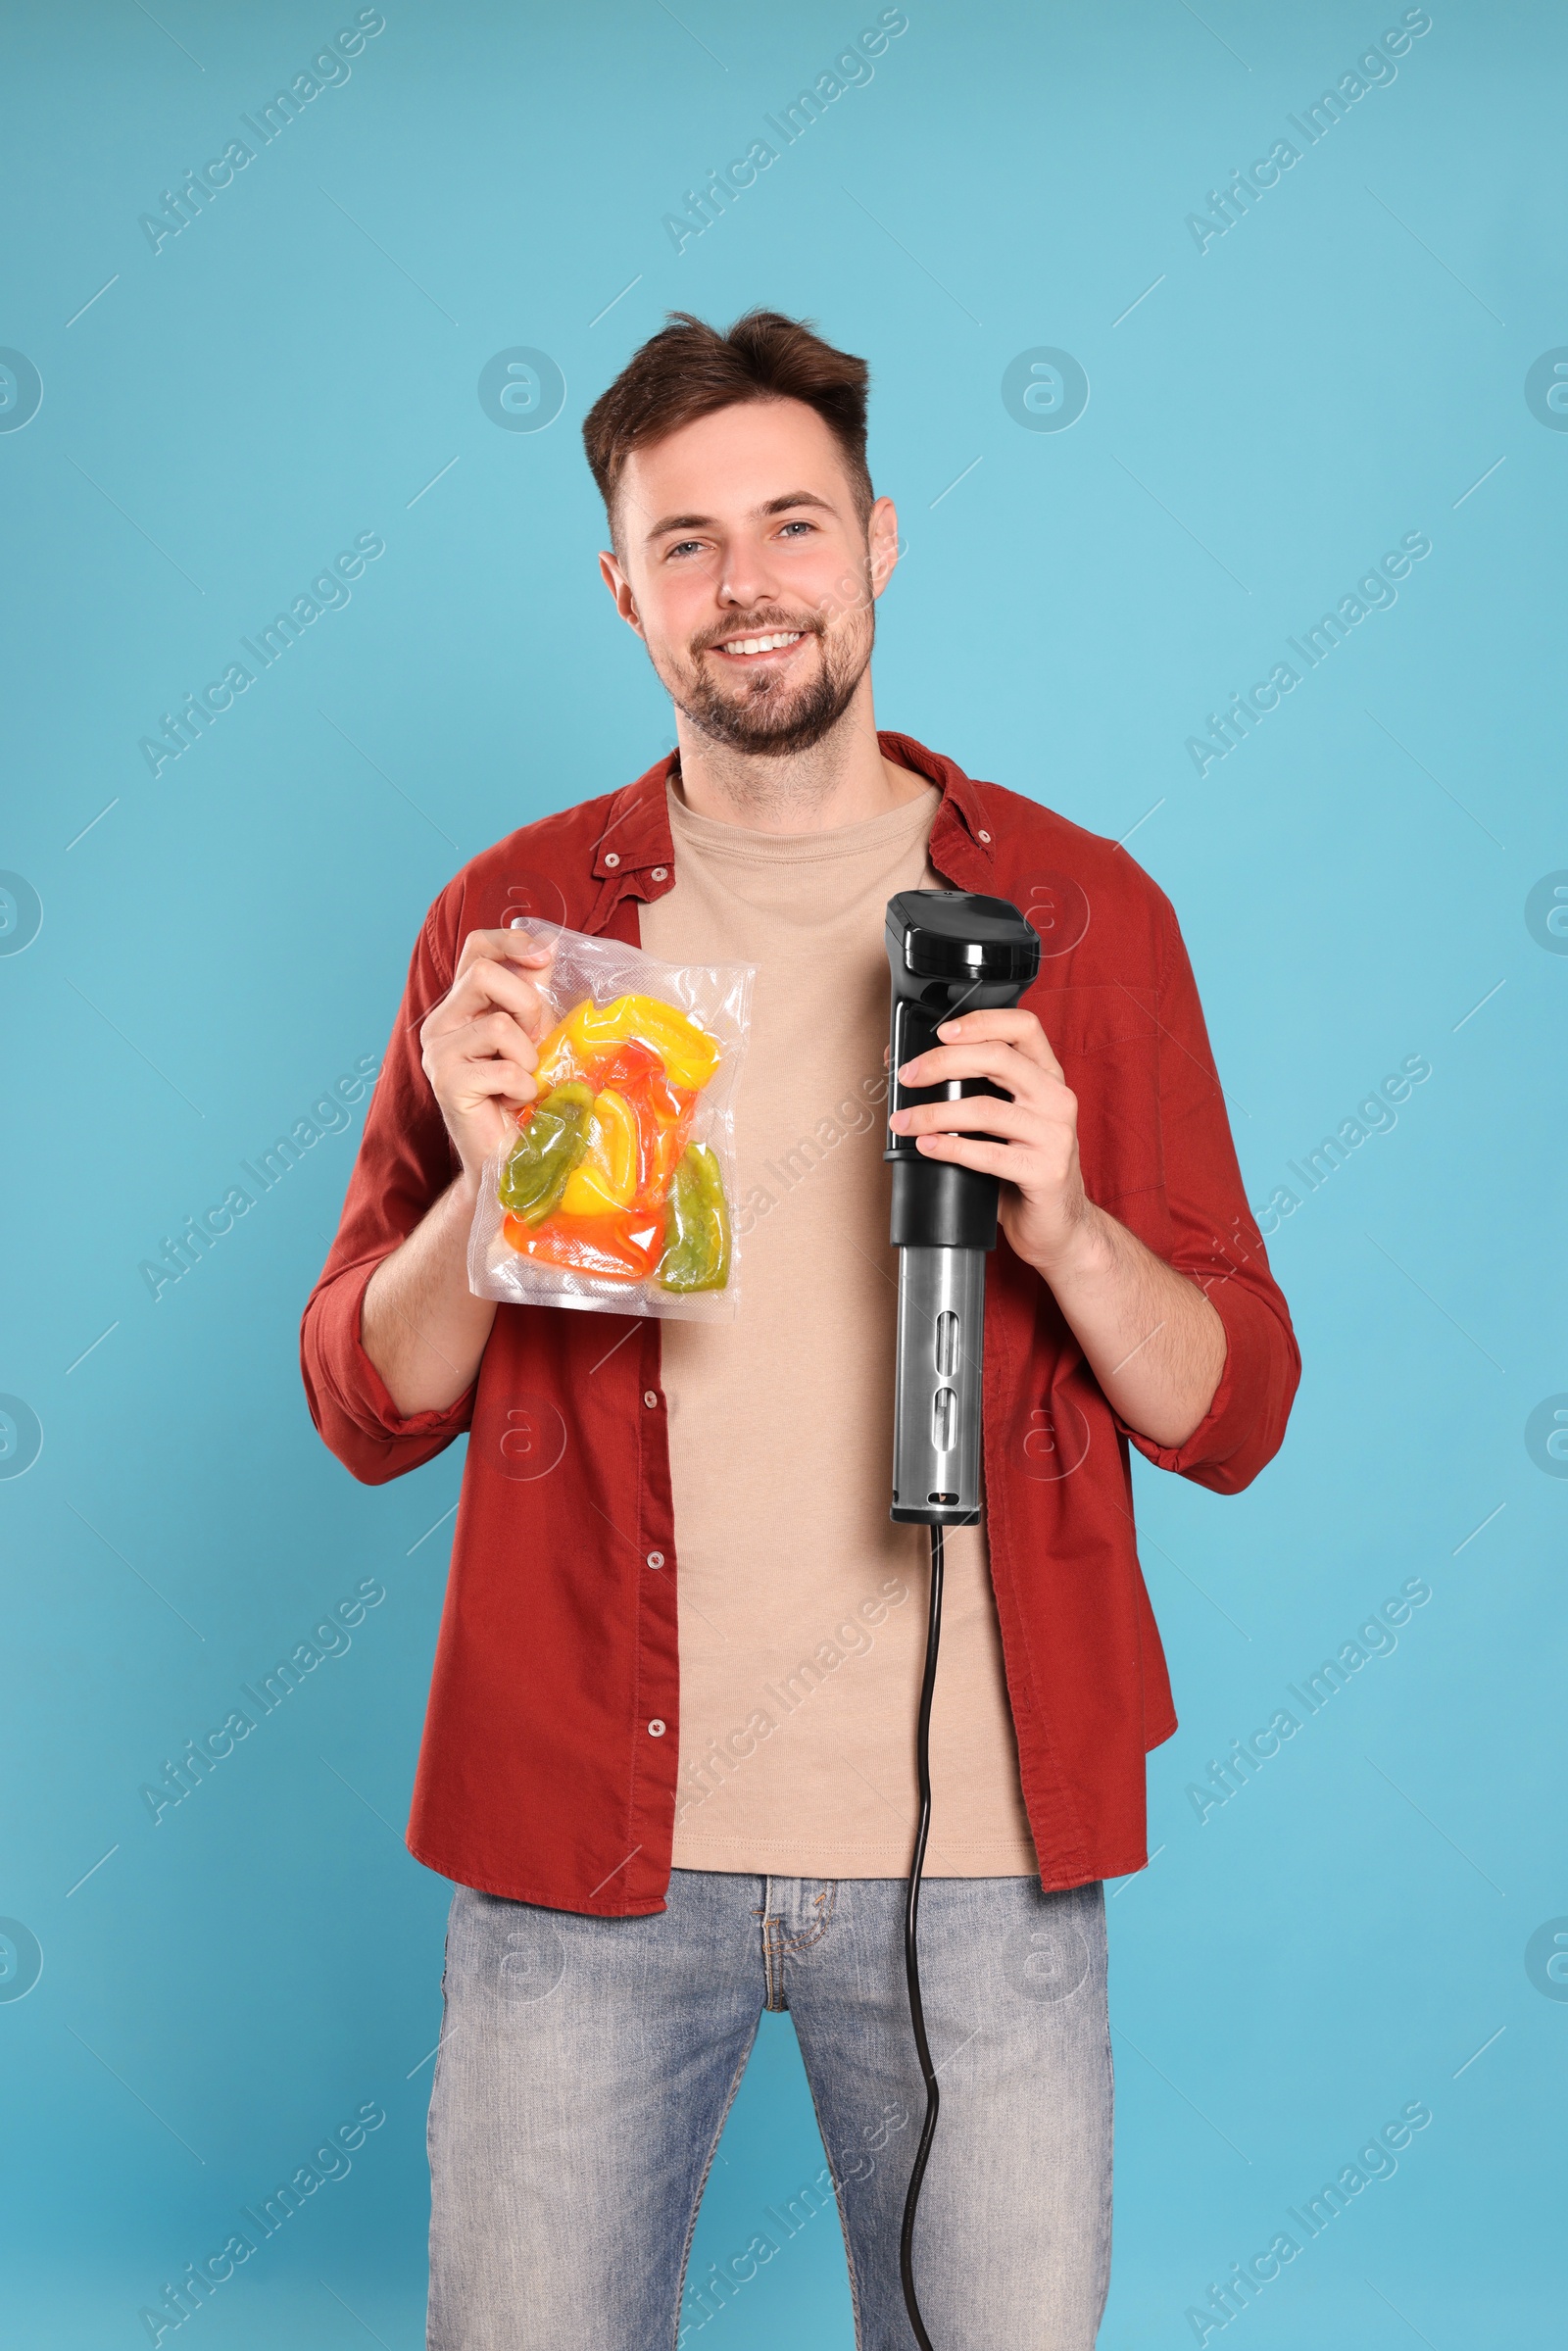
(405, 1164)
(1211, 1236)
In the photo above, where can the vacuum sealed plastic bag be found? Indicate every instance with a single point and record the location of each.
(616, 1192)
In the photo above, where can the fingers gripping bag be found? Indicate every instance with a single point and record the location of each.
(617, 1191)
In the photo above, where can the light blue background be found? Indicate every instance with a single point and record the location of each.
(294, 368)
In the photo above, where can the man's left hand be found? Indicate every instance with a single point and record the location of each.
(1029, 1140)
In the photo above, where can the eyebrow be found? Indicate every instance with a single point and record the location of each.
(771, 506)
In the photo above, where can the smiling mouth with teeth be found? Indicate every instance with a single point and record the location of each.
(778, 642)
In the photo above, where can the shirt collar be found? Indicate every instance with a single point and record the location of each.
(636, 839)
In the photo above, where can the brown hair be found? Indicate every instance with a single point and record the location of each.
(689, 370)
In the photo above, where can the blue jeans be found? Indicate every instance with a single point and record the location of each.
(587, 2066)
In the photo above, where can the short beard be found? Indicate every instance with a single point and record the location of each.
(756, 725)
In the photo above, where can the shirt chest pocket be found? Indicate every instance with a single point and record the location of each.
(1108, 1041)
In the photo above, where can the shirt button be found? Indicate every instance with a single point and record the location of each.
(986, 838)
(649, 1399)
(655, 1558)
(656, 1728)
(660, 873)
(611, 857)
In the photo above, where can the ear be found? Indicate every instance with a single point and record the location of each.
(882, 538)
(620, 586)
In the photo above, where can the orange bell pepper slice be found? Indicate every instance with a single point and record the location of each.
(629, 1064)
(621, 1246)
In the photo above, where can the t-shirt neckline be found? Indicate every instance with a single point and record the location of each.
(715, 836)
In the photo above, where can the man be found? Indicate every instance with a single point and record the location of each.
(669, 1761)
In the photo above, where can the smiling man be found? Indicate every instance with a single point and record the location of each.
(669, 1761)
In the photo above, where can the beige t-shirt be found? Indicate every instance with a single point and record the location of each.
(802, 1606)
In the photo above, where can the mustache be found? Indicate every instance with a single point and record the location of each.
(770, 624)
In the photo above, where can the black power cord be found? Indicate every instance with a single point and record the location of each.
(911, 1952)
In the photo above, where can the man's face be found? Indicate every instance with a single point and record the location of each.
(749, 574)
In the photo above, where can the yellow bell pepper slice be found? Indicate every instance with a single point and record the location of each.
(590, 1032)
(606, 1177)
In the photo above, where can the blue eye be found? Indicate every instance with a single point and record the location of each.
(798, 526)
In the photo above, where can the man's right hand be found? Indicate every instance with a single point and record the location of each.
(480, 1043)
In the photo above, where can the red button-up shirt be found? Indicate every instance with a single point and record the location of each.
(550, 1745)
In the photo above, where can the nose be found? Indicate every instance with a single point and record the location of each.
(747, 575)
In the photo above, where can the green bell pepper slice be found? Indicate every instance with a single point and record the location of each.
(696, 1239)
(551, 1145)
